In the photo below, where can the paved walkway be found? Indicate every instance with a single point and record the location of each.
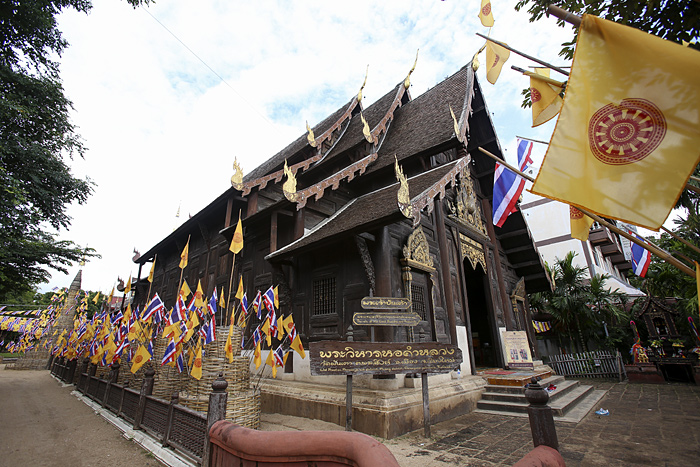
(42, 424)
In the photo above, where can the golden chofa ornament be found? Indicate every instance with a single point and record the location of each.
(403, 197)
(407, 81)
(289, 187)
(237, 177)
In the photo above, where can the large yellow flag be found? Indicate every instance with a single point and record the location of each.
(127, 289)
(184, 255)
(627, 138)
(239, 292)
(257, 358)
(546, 101)
(140, 358)
(496, 57)
(96, 298)
(185, 290)
(580, 224)
(229, 345)
(237, 240)
(485, 13)
(199, 295)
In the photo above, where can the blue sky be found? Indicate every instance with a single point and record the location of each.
(162, 129)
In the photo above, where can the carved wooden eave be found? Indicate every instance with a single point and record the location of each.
(327, 135)
(472, 250)
(426, 199)
(334, 180)
(276, 177)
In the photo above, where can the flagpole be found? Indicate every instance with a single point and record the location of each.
(564, 15)
(682, 240)
(647, 246)
(522, 54)
(148, 295)
(533, 140)
(230, 281)
(182, 270)
(539, 77)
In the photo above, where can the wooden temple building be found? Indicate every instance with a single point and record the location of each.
(391, 200)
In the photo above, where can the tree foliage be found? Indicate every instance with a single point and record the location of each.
(582, 308)
(36, 138)
(674, 20)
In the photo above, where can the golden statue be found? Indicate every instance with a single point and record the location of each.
(404, 199)
(290, 186)
(236, 179)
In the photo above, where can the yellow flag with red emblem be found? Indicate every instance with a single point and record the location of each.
(580, 224)
(485, 13)
(237, 240)
(546, 101)
(141, 356)
(196, 371)
(627, 137)
(496, 57)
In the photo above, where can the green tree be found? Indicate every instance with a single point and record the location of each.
(36, 138)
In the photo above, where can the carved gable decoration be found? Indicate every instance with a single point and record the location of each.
(466, 209)
(473, 250)
(417, 251)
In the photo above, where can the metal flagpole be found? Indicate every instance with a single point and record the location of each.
(522, 54)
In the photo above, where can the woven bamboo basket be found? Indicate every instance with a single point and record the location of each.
(243, 408)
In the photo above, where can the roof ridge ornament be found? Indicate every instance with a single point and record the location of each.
(359, 94)
(458, 133)
(237, 177)
(290, 186)
(403, 196)
(365, 129)
(407, 81)
(310, 136)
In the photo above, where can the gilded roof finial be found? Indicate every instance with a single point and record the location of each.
(237, 178)
(475, 60)
(407, 81)
(359, 94)
(310, 136)
(456, 125)
(403, 197)
(290, 186)
(365, 129)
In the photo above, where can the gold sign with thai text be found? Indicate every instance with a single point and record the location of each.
(385, 303)
(382, 358)
(386, 319)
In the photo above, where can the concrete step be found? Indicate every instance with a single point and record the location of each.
(565, 403)
(556, 380)
(495, 394)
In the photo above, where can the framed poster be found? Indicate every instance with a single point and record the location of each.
(517, 349)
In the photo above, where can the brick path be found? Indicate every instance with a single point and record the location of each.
(648, 425)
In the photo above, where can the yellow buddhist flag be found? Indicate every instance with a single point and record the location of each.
(298, 346)
(241, 318)
(280, 327)
(111, 295)
(239, 292)
(199, 296)
(96, 298)
(485, 14)
(196, 371)
(127, 289)
(288, 322)
(627, 137)
(496, 57)
(229, 345)
(271, 363)
(277, 298)
(184, 255)
(257, 359)
(222, 302)
(580, 224)
(237, 240)
(546, 101)
(153, 269)
(140, 358)
(185, 290)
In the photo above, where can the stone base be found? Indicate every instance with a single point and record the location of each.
(378, 412)
(644, 373)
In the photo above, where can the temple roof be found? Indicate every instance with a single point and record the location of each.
(360, 214)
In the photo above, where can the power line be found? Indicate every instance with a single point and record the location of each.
(207, 65)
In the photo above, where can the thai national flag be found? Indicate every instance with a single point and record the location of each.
(641, 258)
(210, 333)
(279, 356)
(507, 186)
(154, 306)
(169, 354)
(212, 303)
(269, 299)
(257, 336)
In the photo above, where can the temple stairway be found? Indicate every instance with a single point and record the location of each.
(570, 400)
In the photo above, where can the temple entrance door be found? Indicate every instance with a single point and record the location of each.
(484, 344)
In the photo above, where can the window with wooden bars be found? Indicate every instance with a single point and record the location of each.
(418, 300)
(324, 296)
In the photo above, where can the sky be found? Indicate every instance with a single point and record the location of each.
(165, 97)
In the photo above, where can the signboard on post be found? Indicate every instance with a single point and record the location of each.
(382, 358)
(385, 303)
(386, 319)
(517, 349)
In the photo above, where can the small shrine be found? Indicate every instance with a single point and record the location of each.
(665, 359)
